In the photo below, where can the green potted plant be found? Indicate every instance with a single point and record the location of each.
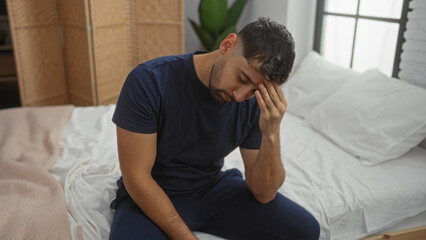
(216, 21)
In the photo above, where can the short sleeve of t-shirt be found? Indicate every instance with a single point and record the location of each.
(137, 108)
(254, 138)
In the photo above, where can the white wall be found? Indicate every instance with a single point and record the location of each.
(297, 15)
(301, 23)
(191, 11)
(273, 9)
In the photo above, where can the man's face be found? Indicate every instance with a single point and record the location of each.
(233, 79)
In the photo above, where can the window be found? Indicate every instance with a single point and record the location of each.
(361, 34)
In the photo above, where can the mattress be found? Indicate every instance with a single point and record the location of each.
(348, 199)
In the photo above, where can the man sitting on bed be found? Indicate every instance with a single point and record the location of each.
(177, 118)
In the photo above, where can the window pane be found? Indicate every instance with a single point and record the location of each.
(337, 38)
(341, 6)
(381, 8)
(375, 45)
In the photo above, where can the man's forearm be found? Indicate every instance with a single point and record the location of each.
(154, 202)
(267, 174)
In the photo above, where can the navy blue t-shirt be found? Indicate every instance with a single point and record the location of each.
(194, 132)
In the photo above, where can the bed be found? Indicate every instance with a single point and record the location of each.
(59, 165)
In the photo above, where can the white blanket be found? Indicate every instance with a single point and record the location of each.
(349, 200)
(88, 169)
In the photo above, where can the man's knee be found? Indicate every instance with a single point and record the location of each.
(300, 221)
(312, 229)
(308, 229)
(130, 223)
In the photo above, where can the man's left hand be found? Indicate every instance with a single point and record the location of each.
(272, 105)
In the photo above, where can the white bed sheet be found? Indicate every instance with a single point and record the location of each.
(349, 200)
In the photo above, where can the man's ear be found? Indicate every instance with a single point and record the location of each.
(228, 44)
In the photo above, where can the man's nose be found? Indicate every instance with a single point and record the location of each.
(240, 95)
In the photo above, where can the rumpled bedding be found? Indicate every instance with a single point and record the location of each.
(350, 200)
(32, 202)
(88, 170)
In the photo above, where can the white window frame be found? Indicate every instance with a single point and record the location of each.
(321, 12)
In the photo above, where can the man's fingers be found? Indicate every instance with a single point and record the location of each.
(261, 103)
(280, 94)
(274, 97)
(266, 98)
(273, 93)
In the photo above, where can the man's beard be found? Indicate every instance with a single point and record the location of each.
(214, 83)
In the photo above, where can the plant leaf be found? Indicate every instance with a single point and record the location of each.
(213, 15)
(234, 12)
(203, 35)
(222, 36)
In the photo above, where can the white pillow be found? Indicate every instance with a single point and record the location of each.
(373, 117)
(312, 82)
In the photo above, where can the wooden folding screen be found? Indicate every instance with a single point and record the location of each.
(38, 53)
(102, 40)
(157, 23)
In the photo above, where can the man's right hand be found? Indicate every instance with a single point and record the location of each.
(137, 153)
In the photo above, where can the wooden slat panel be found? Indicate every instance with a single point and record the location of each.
(59, 99)
(111, 44)
(158, 11)
(78, 100)
(77, 64)
(111, 61)
(29, 12)
(38, 54)
(76, 51)
(156, 40)
(157, 28)
(72, 12)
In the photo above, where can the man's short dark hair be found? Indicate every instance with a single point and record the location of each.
(270, 43)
